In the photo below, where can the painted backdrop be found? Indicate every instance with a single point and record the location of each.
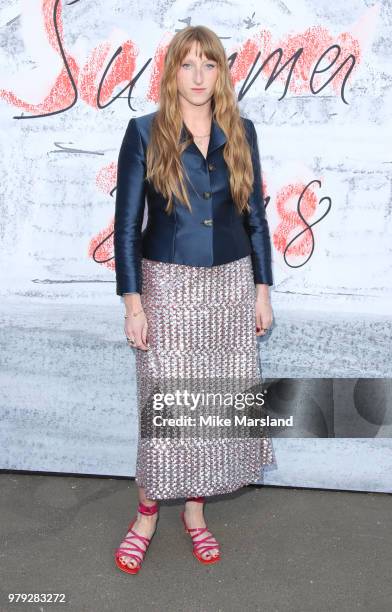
(315, 77)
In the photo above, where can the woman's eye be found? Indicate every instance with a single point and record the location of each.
(209, 65)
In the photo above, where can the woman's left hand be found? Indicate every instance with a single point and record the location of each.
(263, 317)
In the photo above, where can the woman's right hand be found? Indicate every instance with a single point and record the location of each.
(136, 328)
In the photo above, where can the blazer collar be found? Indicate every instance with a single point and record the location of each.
(217, 138)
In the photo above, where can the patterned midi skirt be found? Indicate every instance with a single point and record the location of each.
(202, 338)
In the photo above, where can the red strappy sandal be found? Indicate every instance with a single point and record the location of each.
(135, 551)
(201, 545)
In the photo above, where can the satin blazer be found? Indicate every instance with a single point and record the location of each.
(213, 233)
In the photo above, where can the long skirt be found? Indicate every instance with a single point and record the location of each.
(202, 337)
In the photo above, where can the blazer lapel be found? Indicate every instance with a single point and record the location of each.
(217, 138)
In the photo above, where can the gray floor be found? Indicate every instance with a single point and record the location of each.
(282, 549)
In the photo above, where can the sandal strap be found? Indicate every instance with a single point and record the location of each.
(131, 552)
(204, 548)
(144, 539)
(149, 510)
(200, 529)
(208, 540)
(123, 552)
(134, 551)
(135, 544)
(134, 548)
(207, 543)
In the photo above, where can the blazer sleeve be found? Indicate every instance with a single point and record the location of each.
(256, 223)
(129, 212)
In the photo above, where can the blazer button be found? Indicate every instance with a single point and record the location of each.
(211, 167)
(207, 221)
(206, 195)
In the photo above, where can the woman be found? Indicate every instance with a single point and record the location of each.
(195, 283)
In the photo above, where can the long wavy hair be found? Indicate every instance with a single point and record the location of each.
(163, 158)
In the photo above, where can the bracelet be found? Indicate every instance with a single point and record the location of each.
(134, 314)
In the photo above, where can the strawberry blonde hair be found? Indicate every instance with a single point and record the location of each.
(164, 167)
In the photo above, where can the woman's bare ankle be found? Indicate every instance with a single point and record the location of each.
(147, 518)
(194, 506)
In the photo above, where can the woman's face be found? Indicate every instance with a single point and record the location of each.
(196, 77)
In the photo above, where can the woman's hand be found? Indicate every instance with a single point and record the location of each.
(263, 317)
(263, 309)
(136, 328)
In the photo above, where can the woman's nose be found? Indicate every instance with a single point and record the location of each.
(198, 76)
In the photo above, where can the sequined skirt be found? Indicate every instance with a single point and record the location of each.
(201, 334)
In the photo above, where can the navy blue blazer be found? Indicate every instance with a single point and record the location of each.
(213, 234)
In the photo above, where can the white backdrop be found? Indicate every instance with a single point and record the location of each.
(324, 131)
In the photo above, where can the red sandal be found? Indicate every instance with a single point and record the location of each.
(135, 551)
(207, 543)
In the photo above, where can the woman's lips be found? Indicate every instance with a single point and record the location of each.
(198, 89)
